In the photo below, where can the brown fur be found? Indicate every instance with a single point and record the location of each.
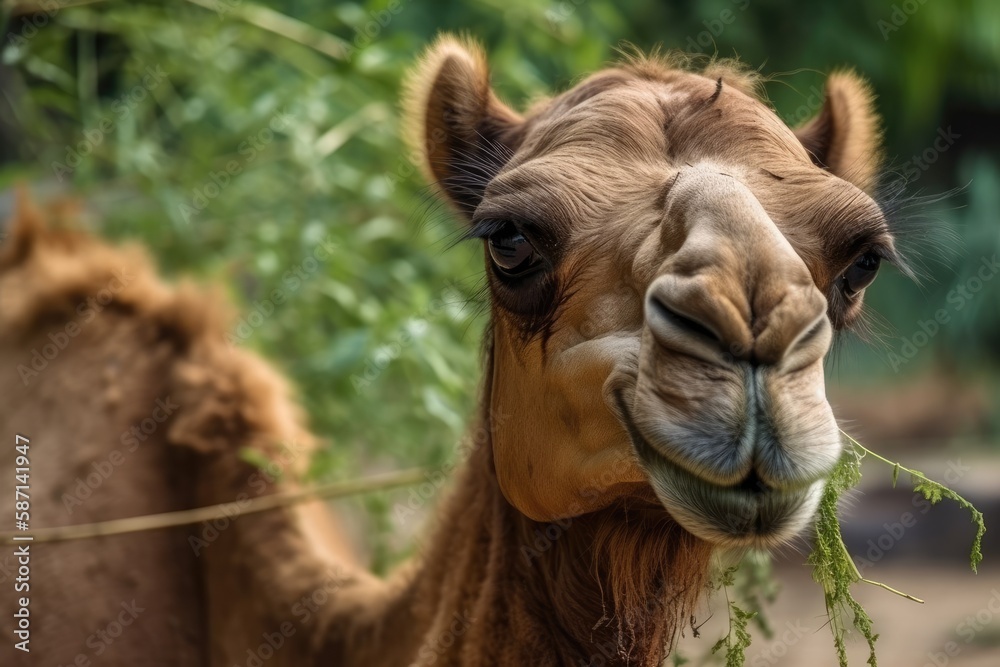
(107, 378)
(613, 578)
(844, 136)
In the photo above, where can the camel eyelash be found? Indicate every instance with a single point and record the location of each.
(920, 237)
(885, 253)
(485, 228)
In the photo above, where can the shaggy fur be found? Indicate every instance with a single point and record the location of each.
(552, 548)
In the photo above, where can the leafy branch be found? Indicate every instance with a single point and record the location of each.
(934, 492)
(738, 639)
(833, 567)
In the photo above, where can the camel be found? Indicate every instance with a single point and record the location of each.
(667, 263)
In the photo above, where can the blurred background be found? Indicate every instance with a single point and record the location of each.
(233, 139)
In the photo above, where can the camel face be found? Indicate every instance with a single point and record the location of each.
(667, 263)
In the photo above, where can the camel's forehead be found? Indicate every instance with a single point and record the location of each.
(624, 113)
(619, 115)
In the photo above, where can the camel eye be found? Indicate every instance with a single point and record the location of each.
(512, 253)
(861, 274)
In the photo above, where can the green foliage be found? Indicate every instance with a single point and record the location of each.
(756, 586)
(336, 256)
(832, 566)
(380, 331)
(738, 639)
(935, 492)
(381, 335)
(751, 582)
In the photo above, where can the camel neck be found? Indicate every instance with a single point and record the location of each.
(491, 587)
(608, 588)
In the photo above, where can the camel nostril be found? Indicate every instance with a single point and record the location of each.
(682, 322)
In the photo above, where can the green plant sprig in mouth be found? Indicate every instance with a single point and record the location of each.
(934, 492)
(834, 568)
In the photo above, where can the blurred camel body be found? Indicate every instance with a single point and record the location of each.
(575, 533)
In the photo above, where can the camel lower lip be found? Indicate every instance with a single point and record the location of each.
(730, 516)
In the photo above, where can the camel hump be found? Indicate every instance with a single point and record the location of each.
(134, 403)
(84, 370)
(54, 274)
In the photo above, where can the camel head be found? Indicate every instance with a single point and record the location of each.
(667, 263)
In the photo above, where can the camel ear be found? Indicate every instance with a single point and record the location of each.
(461, 132)
(845, 137)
